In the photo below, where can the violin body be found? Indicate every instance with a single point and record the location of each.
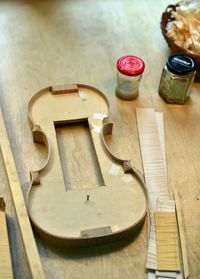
(79, 216)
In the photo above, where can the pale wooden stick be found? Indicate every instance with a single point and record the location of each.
(181, 236)
(19, 205)
(5, 257)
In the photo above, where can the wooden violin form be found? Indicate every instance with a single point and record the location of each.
(84, 215)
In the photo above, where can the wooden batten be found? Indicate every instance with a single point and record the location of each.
(186, 270)
(5, 256)
(31, 251)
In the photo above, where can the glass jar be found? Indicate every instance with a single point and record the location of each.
(177, 78)
(129, 74)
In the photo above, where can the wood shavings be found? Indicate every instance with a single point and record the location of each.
(184, 29)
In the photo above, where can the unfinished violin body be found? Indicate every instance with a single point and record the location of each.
(90, 214)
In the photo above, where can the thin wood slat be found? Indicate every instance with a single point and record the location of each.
(19, 204)
(157, 202)
(182, 236)
(6, 271)
(154, 169)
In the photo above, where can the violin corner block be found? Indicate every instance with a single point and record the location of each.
(35, 177)
(2, 204)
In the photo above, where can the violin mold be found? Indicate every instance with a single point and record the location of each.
(81, 216)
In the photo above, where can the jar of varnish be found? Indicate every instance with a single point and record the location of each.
(129, 73)
(177, 78)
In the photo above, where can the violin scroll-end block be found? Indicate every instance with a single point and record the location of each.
(35, 177)
(96, 232)
(2, 204)
(65, 88)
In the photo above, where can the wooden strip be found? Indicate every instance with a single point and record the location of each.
(167, 241)
(164, 205)
(161, 205)
(6, 271)
(19, 204)
(181, 236)
(151, 274)
(161, 133)
(179, 275)
(153, 157)
(177, 203)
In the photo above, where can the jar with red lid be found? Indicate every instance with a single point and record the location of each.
(130, 69)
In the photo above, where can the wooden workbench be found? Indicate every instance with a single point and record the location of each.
(51, 42)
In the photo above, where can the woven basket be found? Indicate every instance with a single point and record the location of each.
(166, 17)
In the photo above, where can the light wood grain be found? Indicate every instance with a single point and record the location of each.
(160, 256)
(181, 236)
(167, 241)
(55, 42)
(154, 165)
(5, 256)
(17, 249)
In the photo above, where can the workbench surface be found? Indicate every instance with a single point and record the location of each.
(48, 42)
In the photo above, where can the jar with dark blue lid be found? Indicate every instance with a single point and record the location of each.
(177, 78)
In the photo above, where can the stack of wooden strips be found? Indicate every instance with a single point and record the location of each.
(163, 257)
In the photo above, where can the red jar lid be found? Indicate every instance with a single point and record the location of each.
(130, 65)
